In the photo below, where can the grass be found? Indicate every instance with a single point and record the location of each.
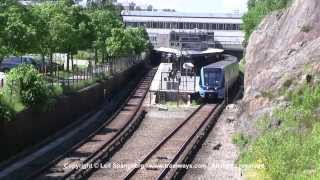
(196, 102)
(242, 65)
(241, 140)
(14, 103)
(306, 28)
(290, 151)
(78, 86)
(267, 94)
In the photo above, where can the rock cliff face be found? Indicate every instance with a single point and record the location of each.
(283, 50)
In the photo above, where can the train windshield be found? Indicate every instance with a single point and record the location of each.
(213, 77)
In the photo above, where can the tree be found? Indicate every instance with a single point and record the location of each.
(138, 8)
(17, 34)
(118, 44)
(132, 6)
(103, 21)
(43, 14)
(149, 8)
(124, 42)
(139, 38)
(61, 30)
(81, 34)
(2, 26)
(64, 27)
(104, 4)
(251, 4)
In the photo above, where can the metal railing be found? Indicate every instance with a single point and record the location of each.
(180, 83)
(78, 77)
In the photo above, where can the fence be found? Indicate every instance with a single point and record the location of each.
(185, 82)
(2, 79)
(79, 77)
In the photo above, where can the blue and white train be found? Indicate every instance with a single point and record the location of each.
(218, 77)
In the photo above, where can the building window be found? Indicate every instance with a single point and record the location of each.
(201, 26)
(228, 27)
(234, 27)
(168, 25)
(180, 26)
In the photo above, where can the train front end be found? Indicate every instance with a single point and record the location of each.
(211, 83)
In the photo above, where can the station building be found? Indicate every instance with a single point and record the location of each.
(186, 42)
(168, 29)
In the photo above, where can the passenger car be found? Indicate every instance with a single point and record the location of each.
(218, 77)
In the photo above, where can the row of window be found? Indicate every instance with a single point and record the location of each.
(181, 25)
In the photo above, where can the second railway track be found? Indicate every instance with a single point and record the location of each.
(155, 165)
(103, 142)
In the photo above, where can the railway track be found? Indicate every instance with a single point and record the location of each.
(156, 164)
(102, 143)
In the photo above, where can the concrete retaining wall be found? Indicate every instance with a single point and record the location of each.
(31, 127)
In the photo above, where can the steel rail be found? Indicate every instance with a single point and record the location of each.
(185, 145)
(84, 141)
(156, 149)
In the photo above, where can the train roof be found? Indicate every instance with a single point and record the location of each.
(222, 64)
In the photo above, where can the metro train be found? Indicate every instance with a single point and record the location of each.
(218, 77)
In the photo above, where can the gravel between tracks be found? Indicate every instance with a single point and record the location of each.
(220, 163)
(156, 125)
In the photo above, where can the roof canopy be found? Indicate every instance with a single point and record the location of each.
(180, 14)
(188, 52)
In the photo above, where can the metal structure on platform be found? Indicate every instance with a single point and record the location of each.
(169, 84)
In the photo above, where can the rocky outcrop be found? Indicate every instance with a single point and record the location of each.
(283, 50)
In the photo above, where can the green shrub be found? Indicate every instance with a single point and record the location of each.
(242, 65)
(84, 55)
(306, 28)
(25, 83)
(267, 94)
(240, 140)
(290, 151)
(6, 112)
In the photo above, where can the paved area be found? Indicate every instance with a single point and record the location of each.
(218, 154)
(188, 84)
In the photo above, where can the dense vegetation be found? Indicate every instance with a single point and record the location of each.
(58, 27)
(63, 27)
(289, 145)
(26, 84)
(6, 112)
(257, 10)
